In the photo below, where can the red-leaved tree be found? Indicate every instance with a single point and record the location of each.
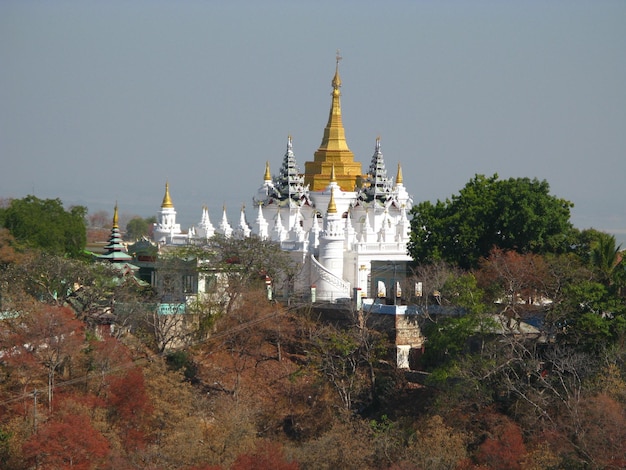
(131, 407)
(48, 336)
(267, 456)
(505, 449)
(67, 441)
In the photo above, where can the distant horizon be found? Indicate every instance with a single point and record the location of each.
(190, 216)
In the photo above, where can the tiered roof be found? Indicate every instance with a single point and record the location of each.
(115, 251)
(376, 184)
(289, 184)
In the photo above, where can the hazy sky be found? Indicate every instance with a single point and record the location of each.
(106, 100)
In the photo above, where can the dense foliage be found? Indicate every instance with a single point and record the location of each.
(515, 214)
(45, 224)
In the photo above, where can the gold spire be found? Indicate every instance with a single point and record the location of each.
(334, 149)
(268, 176)
(115, 217)
(332, 207)
(167, 200)
(333, 177)
(399, 177)
(336, 83)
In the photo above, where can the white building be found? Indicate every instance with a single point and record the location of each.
(333, 219)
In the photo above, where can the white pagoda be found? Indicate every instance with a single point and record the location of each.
(333, 219)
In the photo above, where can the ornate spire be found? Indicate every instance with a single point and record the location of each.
(333, 149)
(376, 184)
(115, 217)
(268, 175)
(399, 176)
(332, 206)
(167, 200)
(333, 177)
(336, 83)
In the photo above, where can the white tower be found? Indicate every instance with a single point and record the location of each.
(261, 224)
(205, 227)
(166, 230)
(329, 271)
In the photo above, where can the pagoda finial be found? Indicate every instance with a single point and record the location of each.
(167, 200)
(332, 206)
(268, 175)
(399, 176)
(333, 178)
(115, 217)
(337, 79)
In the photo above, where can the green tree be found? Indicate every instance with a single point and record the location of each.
(138, 227)
(605, 258)
(591, 317)
(515, 214)
(45, 224)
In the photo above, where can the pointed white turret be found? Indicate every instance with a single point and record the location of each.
(367, 234)
(279, 233)
(297, 233)
(224, 227)
(386, 232)
(403, 229)
(205, 227)
(262, 229)
(331, 240)
(243, 230)
(349, 232)
(314, 233)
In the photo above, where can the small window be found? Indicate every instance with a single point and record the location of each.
(189, 284)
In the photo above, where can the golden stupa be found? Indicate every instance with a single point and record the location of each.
(333, 150)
